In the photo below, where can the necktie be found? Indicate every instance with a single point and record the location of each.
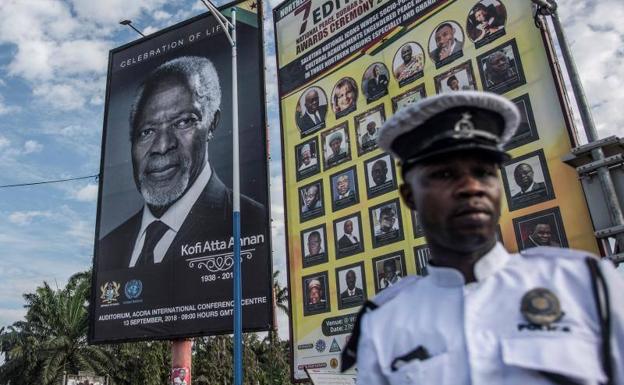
(153, 233)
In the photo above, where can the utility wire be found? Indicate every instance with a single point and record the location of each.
(49, 181)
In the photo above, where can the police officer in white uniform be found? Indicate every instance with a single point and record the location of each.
(482, 316)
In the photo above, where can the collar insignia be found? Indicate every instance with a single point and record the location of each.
(540, 306)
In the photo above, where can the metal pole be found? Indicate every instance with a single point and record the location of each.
(238, 316)
(604, 176)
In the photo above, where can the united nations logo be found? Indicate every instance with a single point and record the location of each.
(320, 346)
(133, 289)
(540, 306)
(110, 292)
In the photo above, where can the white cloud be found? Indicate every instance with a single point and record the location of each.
(87, 193)
(595, 34)
(4, 142)
(32, 146)
(4, 109)
(23, 218)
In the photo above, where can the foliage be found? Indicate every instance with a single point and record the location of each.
(52, 340)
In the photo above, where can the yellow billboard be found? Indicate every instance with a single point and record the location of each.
(344, 67)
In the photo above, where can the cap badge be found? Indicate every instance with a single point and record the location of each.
(465, 123)
(540, 306)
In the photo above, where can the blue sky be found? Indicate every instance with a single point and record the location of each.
(53, 61)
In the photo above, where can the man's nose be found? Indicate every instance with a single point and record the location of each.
(165, 141)
(469, 185)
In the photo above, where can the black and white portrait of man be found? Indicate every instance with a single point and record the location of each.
(348, 236)
(175, 114)
(386, 224)
(527, 181)
(313, 245)
(501, 68)
(344, 189)
(380, 175)
(351, 285)
(164, 229)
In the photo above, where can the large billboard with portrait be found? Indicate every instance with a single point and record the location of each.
(163, 264)
(344, 67)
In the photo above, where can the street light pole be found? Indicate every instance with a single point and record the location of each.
(230, 31)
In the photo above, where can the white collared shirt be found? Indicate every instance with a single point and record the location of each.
(174, 218)
(476, 334)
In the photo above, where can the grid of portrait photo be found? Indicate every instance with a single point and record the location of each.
(349, 188)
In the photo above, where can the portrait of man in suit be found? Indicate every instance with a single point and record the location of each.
(447, 45)
(312, 117)
(352, 295)
(542, 235)
(174, 116)
(348, 239)
(525, 179)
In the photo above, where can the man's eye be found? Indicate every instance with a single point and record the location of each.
(441, 174)
(184, 123)
(485, 172)
(144, 133)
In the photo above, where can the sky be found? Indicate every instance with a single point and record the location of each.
(53, 63)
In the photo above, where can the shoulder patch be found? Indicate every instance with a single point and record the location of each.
(556, 252)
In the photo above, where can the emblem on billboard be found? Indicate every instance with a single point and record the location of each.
(334, 348)
(320, 346)
(220, 262)
(333, 363)
(133, 289)
(110, 292)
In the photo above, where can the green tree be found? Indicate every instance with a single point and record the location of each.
(52, 339)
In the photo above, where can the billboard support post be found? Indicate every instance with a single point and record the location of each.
(549, 8)
(230, 31)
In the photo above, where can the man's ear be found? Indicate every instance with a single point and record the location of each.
(215, 123)
(408, 195)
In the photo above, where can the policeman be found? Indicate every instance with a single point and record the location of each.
(482, 316)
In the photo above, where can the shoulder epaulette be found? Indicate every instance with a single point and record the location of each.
(349, 354)
(556, 252)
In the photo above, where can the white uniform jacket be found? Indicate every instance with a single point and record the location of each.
(476, 334)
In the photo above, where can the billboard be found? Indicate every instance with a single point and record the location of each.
(163, 264)
(346, 66)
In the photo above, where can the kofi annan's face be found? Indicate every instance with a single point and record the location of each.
(168, 143)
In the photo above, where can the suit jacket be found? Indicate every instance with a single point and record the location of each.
(196, 269)
(305, 122)
(537, 187)
(345, 242)
(374, 87)
(358, 293)
(211, 215)
(435, 54)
